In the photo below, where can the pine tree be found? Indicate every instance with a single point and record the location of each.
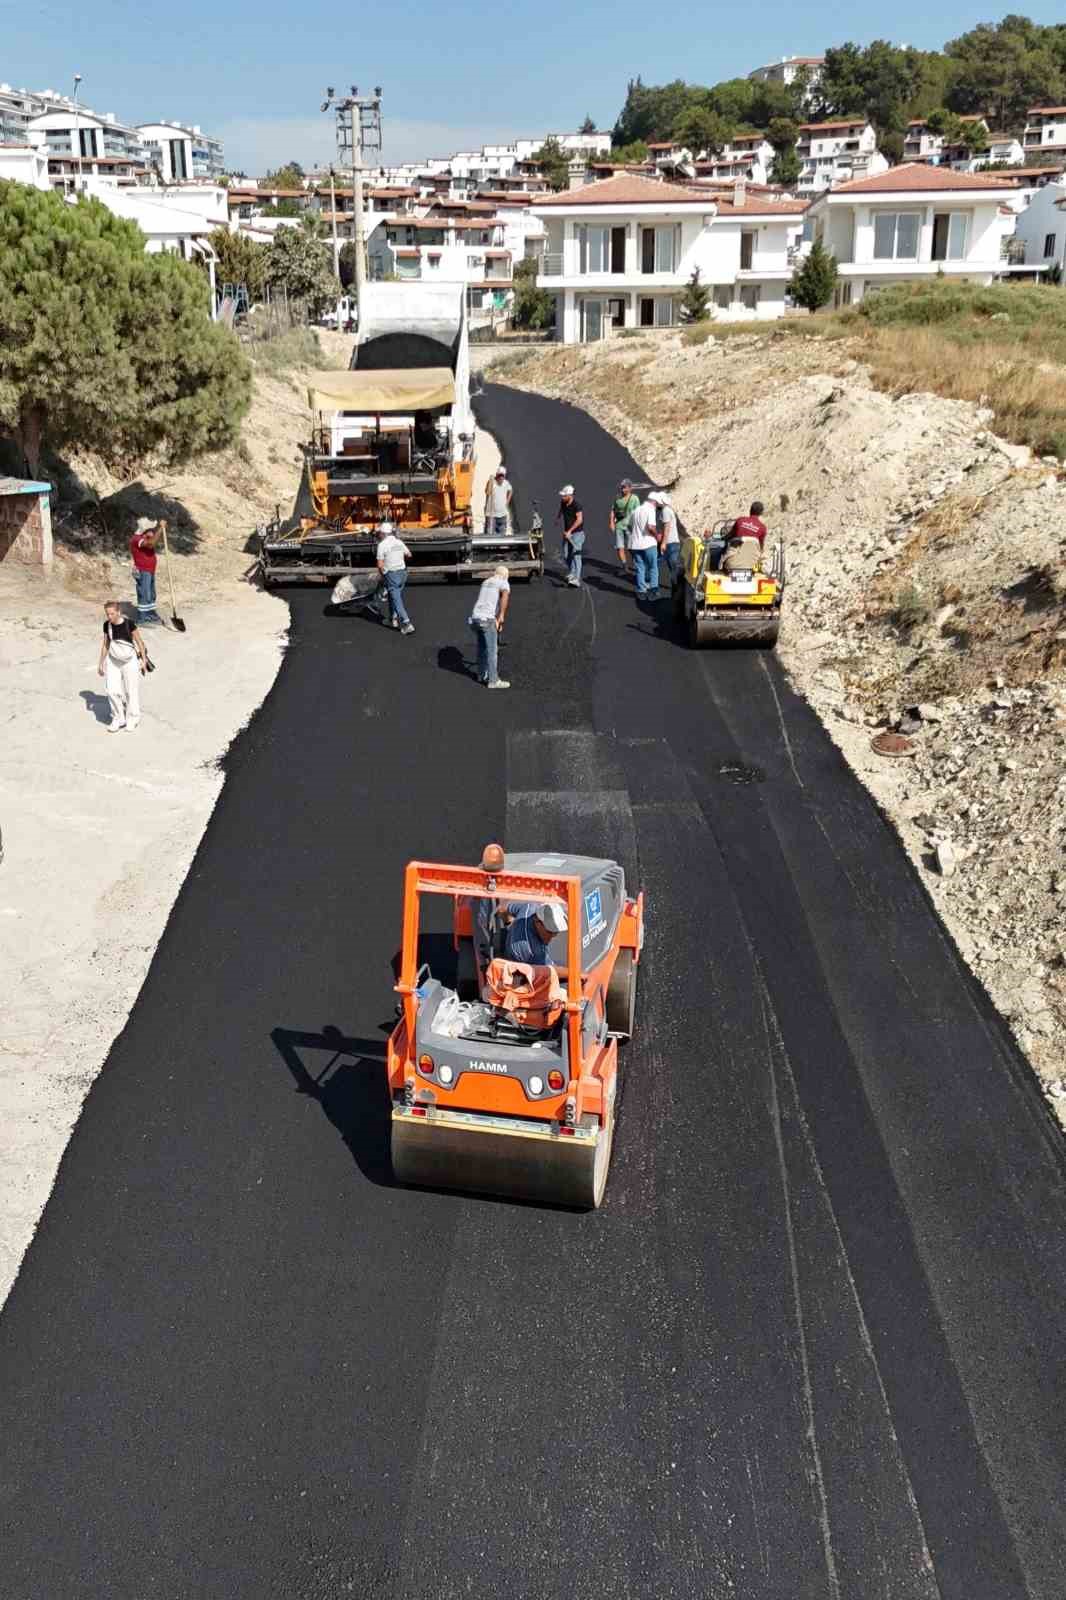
(696, 299)
(815, 278)
(102, 344)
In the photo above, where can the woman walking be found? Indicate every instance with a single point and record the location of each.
(122, 660)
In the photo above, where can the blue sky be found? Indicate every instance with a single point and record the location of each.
(452, 75)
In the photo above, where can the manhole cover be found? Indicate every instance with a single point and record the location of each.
(738, 772)
(892, 744)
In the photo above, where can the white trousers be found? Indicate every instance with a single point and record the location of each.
(123, 685)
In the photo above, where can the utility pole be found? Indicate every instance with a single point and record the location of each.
(336, 245)
(358, 125)
(77, 128)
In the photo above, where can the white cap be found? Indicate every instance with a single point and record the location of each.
(500, 571)
(386, 527)
(553, 916)
(656, 498)
(501, 471)
(567, 488)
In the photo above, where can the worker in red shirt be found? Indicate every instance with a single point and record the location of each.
(142, 550)
(752, 526)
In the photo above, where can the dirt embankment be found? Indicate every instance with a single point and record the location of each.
(927, 594)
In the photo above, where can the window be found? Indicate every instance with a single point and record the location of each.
(475, 261)
(749, 296)
(951, 235)
(660, 249)
(841, 296)
(434, 260)
(1049, 245)
(664, 312)
(723, 296)
(595, 249)
(896, 235)
(747, 250)
(616, 310)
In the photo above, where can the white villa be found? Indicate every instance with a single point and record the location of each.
(621, 251)
(1045, 130)
(836, 152)
(914, 222)
(1040, 230)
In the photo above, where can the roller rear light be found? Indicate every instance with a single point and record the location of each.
(556, 1080)
(425, 1065)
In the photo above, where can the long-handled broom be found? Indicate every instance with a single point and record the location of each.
(175, 619)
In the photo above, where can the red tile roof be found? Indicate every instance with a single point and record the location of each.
(1047, 111)
(917, 175)
(841, 122)
(754, 207)
(623, 190)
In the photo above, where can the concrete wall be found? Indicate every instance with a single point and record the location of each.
(26, 529)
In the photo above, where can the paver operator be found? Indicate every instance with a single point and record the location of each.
(531, 930)
(498, 497)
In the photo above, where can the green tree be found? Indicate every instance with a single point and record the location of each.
(533, 307)
(702, 130)
(635, 152)
(815, 278)
(588, 126)
(346, 264)
(782, 133)
(554, 163)
(290, 176)
(652, 113)
(301, 266)
(240, 260)
(103, 345)
(286, 207)
(696, 299)
(1000, 69)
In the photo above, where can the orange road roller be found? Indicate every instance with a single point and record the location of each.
(506, 1081)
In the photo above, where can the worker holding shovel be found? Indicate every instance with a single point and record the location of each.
(142, 551)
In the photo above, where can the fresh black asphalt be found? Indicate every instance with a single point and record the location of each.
(811, 1347)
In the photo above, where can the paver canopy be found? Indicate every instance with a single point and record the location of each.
(414, 389)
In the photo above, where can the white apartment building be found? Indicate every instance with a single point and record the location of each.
(621, 251)
(1040, 231)
(454, 248)
(74, 131)
(17, 106)
(25, 163)
(836, 152)
(1002, 147)
(747, 155)
(1045, 130)
(788, 69)
(179, 152)
(912, 223)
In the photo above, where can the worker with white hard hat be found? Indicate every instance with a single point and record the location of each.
(532, 929)
(392, 556)
(498, 497)
(668, 534)
(572, 517)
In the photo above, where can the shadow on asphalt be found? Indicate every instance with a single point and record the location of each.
(351, 1087)
(98, 704)
(451, 659)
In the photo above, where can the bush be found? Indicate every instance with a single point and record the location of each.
(910, 607)
(285, 352)
(698, 332)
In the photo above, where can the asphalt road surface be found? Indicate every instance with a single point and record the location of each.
(811, 1348)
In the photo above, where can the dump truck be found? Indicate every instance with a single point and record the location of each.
(505, 1081)
(728, 589)
(393, 440)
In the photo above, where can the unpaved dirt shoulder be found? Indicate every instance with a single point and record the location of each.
(926, 591)
(98, 831)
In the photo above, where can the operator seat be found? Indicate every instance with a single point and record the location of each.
(742, 555)
(532, 996)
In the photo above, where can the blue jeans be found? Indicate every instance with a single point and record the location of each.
(572, 549)
(488, 641)
(671, 554)
(394, 582)
(146, 611)
(646, 570)
(496, 526)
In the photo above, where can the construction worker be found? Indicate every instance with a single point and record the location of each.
(486, 622)
(142, 553)
(643, 542)
(532, 930)
(572, 517)
(752, 526)
(498, 497)
(622, 508)
(392, 556)
(668, 535)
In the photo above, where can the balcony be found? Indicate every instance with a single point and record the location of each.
(1012, 252)
(551, 264)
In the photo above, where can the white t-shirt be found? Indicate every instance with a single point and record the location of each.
(391, 553)
(497, 497)
(488, 599)
(670, 533)
(642, 520)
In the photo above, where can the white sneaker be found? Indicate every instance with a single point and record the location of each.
(134, 722)
(499, 683)
(573, 583)
(114, 726)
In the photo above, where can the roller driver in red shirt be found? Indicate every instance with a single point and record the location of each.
(752, 526)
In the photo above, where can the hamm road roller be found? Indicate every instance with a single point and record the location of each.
(728, 589)
(507, 1082)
